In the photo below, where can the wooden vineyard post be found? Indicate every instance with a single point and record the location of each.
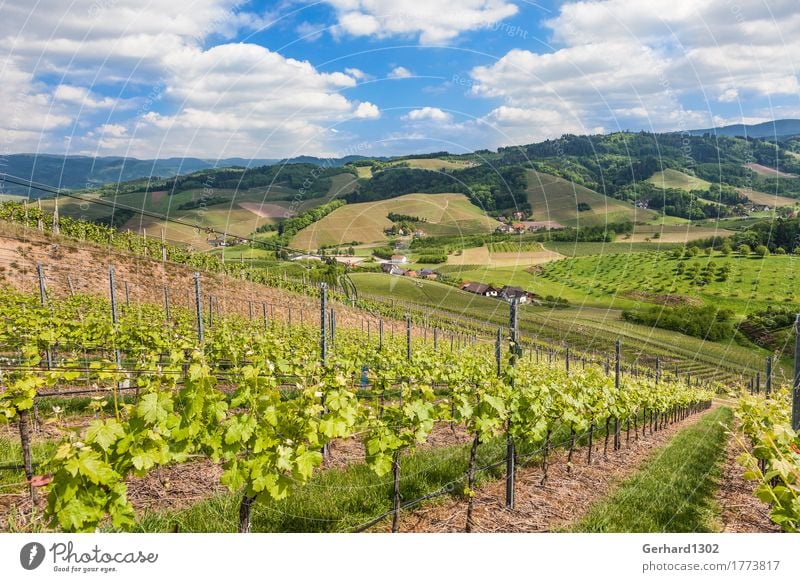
(43, 300)
(380, 335)
(435, 338)
(323, 342)
(198, 303)
(166, 304)
(796, 381)
(323, 314)
(616, 386)
(768, 380)
(658, 369)
(408, 338)
(510, 452)
(115, 321)
(566, 359)
(497, 352)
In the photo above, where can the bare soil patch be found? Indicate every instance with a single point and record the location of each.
(264, 210)
(767, 171)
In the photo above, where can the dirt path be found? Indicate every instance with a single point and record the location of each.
(564, 499)
(741, 511)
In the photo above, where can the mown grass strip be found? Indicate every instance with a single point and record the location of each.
(674, 491)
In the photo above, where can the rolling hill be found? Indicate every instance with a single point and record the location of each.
(777, 127)
(446, 214)
(80, 172)
(557, 199)
(678, 180)
(236, 212)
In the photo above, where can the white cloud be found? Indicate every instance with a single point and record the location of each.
(433, 21)
(367, 110)
(627, 63)
(234, 99)
(85, 98)
(357, 74)
(400, 73)
(428, 114)
(310, 32)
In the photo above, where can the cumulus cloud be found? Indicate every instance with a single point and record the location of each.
(367, 110)
(433, 21)
(428, 114)
(189, 98)
(622, 64)
(400, 73)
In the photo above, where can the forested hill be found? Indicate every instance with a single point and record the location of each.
(491, 188)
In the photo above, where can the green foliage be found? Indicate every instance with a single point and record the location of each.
(490, 188)
(432, 259)
(285, 406)
(772, 459)
(706, 322)
(395, 217)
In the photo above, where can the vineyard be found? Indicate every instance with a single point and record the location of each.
(265, 400)
(107, 391)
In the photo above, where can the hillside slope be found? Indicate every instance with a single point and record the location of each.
(445, 214)
(72, 266)
(554, 198)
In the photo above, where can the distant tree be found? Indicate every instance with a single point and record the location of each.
(726, 248)
(743, 250)
(780, 251)
(762, 251)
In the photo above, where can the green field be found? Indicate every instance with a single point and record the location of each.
(751, 284)
(446, 214)
(678, 180)
(582, 325)
(554, 198)
(582, 249)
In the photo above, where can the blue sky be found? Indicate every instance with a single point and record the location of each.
(223, 78)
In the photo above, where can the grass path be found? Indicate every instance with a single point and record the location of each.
(568, 493)
(675, 490)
